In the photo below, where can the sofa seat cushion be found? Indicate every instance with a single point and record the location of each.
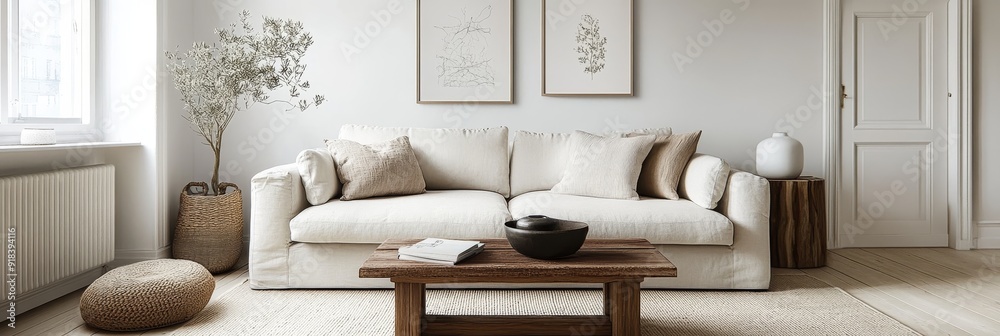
(660, 221)
(454, 214)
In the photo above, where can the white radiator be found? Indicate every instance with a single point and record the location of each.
(62, 226)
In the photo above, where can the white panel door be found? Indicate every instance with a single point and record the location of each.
(894, 125)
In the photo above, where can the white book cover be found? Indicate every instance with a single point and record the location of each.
(426, 260)
(474, 252)
(441, 249)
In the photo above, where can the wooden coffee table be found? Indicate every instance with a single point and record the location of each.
(619, 264)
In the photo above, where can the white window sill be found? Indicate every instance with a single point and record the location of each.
(65, 146)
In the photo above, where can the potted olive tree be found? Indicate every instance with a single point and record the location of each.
(217, 81)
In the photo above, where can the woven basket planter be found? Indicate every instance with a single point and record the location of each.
(210, 228)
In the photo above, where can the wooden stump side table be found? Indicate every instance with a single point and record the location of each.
(798, 223)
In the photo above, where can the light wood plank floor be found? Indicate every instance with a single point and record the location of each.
(934, 291)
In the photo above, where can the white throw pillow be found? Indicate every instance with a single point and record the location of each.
(604, 167)
(704, 180)
(319, 175)
(538, 160)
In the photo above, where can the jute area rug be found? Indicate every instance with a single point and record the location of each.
(795, 305)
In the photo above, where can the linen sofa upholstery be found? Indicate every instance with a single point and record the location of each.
(660, 221)
(293, 245)
(458, 214)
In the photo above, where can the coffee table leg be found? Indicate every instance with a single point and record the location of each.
(607, 299)
(622, 297)
(410, 308)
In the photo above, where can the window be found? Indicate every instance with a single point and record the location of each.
(46, 64)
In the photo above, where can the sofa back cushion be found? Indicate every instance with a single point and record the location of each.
(450, 159)
(538, 160)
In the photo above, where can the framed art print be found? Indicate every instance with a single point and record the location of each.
(465, 51)
(587, 47)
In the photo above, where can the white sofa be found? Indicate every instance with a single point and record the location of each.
(475, 183)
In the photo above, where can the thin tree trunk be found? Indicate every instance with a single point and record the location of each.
(215, 172)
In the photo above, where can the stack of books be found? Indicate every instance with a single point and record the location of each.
(441, 251)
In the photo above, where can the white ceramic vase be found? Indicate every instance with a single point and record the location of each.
(779, 157)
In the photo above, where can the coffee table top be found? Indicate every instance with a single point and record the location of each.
(598, 261)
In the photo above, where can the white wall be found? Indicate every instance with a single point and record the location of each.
(986, 45)
(127, 83)
(745, 84)
(175, 34)
(761, 75)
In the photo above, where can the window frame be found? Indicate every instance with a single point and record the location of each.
(86, 131)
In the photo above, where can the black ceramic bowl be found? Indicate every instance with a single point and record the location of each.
(556, 241)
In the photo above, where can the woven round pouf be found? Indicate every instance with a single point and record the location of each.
(147, 295)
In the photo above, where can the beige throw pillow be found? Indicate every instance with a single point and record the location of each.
(319, 175)
(382, 169)
(662, 170)
(604, 167)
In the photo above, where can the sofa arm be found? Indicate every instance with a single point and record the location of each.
(747, 203)
(276, 197)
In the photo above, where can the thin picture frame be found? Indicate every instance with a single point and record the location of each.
(429, 14)
(554, 76)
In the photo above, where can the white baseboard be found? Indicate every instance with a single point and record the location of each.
(988, 236)
(125, 257)
(988, 243)
(35, 298)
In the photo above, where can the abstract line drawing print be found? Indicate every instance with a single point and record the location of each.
(590, 44)
(463, 60)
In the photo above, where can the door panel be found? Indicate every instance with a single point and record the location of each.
(891, 93)
(900, 203)
(894, 170)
